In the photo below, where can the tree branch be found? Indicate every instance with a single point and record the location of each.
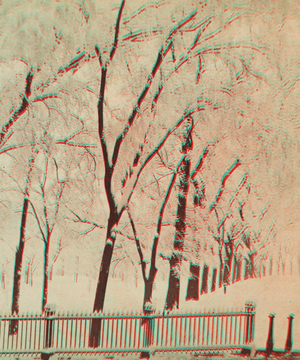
(138, 245)
(62, 185)
(153, 270)
(44, 97)
(143, 8)
(13, 147)
(117, 29)
(204, 24)
(160, 57)
(225, 177)
(43, 194)
(16, 114)
(200, 162)
(38, 222)
(133, 181)
(79, 219)
(82, 57)
(167, 196)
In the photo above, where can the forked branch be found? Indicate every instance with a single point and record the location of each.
(163, 51)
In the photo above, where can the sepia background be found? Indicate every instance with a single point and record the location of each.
(154, 164)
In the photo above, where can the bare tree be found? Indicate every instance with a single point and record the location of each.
(192, 22)
(180, 224)
(44, 58)
(20, 248)
(47, 218)
(149, 280)
(200, 221)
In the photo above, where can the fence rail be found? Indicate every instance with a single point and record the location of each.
(68, 332)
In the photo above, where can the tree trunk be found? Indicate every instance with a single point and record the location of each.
(221, 250)
(228, 261)
(258, 268)
(76, 268)
(176, 257)
(243, 268)
(18, 270)
(204, 285)
(94, 339)
(148, 290)
(238, 270)
(221, 275)
(45, 274)
(3, 278)
(148, 310)
(27, 274)
(233, 269)
(214, 280)
(220, 269)
(247, 269)
(270, 265)
(226, 272)
(51, 272)
(105, 265)
(193, 284)
(252, 268)
(13, 328)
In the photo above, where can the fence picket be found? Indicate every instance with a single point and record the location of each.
(226, 328)
(212, 330)
(240, 316)
(231, 323)
(140, 332)
(167, 331)
(125, 333)
(158, 322)
(135, 331)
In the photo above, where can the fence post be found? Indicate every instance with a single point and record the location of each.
(249, 309)
(289, 340)
(49, 325)
(252, 322)
(148, 323)
(270, 341)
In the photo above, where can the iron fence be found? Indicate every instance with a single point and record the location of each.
(70, 332)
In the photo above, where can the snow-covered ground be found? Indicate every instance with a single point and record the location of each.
(271, 294)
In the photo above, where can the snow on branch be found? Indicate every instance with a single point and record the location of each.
(143, 8)
(131, 184)
(163, 51)
(138, 244)
(225, 177)
(200, 162)
(117, 29)
(38, 222)
(16, 114)
(84, 221)
(79, 59)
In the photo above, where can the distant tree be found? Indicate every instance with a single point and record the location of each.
(45, 205)
(149, 280)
